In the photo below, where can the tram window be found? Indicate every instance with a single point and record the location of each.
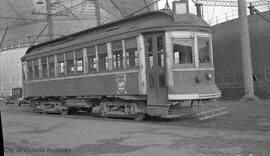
(132, 57)
(131, 52)
(117, 59)
(162, 81)
(150, 60)
(92, 63)
(160, 43)
(149, 44)
(117, 52)
(182, 51)
(51, 66)
(30, 70)
(160, 59)
(61, 65)
(151, 81)
(103, 57)
(204, 50)
(23, 71)
(79, 61)
(36, 68)
(91, 58)
(103, 62)
(44, 67)
(70, 63)
(79, 66)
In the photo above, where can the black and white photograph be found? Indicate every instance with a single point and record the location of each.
(135, 77)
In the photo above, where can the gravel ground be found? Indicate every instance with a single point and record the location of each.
(245, 131)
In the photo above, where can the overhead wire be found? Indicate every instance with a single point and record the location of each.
(44, 18)
(16, 18)
(213, 12)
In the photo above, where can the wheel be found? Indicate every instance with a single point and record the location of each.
(72, 111)
(42, 112)
(64, 112)
(89, 110)
(17, 102)
(139, 116)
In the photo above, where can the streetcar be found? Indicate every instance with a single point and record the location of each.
(158, 63)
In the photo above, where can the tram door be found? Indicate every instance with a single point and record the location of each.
(157, 93)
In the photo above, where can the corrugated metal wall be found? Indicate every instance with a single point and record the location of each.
(227, 56)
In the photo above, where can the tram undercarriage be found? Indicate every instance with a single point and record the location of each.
(135, 109)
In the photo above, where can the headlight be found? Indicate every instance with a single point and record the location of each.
(209, 76)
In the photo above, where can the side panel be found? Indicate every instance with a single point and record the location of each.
(193, 84)
(110, 84)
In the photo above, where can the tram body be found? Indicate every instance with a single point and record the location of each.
(156, 63)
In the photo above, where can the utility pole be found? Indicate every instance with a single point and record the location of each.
(97, 11)
(246, 54)
(0, 14)
(1, 136)
(49, 19)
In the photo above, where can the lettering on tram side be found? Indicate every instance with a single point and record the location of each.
(121, 82)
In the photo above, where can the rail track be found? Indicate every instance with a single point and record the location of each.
(237, 119)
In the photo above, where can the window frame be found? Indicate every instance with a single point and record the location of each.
(194, 36)
(59, 66)
(37, 75)
(207, 64)
(184, 65)
(91, 52)
(94, 62)
(105, 60)
(51, 74)
(30, 73)
(78, 56)
(42, 69)
(68, 66)
(134, 50)
(116, 50)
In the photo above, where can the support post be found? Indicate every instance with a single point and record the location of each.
(1, 137)
(49, 19)
(0, 14)
(246, 54)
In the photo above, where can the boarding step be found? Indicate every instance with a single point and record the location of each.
(212, 113)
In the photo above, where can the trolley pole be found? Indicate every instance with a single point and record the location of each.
(49, 19)
(97, 10)
(246, 54)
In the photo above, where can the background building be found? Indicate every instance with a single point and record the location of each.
(24, 23)
(228, 60)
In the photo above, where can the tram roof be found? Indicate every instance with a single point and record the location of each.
(185, 20)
